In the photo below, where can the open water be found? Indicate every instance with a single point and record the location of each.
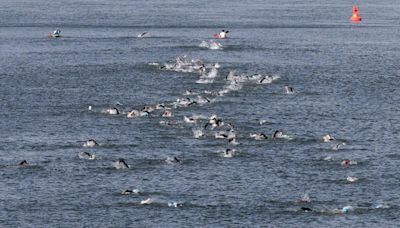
(346, 81)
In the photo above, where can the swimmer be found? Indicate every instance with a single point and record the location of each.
(214, 122)
(167, 113)
(347, 162)
(265, 80)
(233, 141)
(189, 92)
(56, 33)
(216, 65)
(202, 100)
(90, 143)
(306, 209)
(337, 146)
(86, 155)
(328, 138)
(219, 123)
(177, 160)
(112, 111)
(228, 153)
(24, 163)
(277, 134)
(174, 204)
(197, 133)
(254, 77)
(133, 113)
(221, 135)
(147, 109)
(258, 136)
(189, 119)
(128, 191)
(173, 160)
(289, 90)
(141, 35)
(305, 198)
(144, 113)
(160, 106)
(351, 179)
(147, 201)
(347, 209)
(121, 164)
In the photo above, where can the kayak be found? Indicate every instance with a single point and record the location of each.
(218, 36)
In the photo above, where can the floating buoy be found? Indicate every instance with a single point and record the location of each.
(355, 17)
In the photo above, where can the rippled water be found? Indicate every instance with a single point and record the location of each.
(345, 76)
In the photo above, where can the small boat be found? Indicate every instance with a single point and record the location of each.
(55, 34)
(221, 35)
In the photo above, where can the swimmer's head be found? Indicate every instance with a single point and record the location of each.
(347, 209)
(346, 162)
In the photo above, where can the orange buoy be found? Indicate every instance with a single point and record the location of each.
(355, 17)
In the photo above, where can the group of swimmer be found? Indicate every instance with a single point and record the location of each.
(346, 162)
(213, 45)
(204, 126)
(122, 164)
(221, 35)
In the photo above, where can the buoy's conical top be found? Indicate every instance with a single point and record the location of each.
(355, 17)
(355, 9)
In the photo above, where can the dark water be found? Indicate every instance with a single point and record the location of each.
(345, 76)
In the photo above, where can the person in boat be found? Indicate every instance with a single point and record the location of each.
(223, 34)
